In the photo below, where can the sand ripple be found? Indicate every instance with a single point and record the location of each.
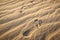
(30, 20)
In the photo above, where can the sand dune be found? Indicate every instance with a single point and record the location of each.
(29, 19)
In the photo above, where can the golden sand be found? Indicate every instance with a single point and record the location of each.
(29, 19)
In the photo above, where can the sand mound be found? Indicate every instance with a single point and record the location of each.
(29, 19)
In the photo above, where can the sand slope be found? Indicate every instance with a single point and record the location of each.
(29, 19)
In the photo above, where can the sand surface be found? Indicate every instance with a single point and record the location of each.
(29, 19)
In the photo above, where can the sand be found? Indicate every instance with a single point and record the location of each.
(29, 19)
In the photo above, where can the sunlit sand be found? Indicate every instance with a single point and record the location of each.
(29, 19)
